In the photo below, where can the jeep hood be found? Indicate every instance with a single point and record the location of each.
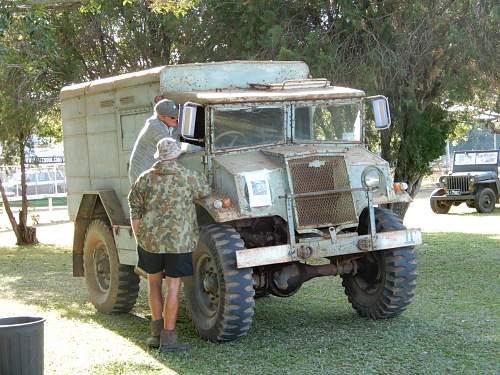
(479, 175)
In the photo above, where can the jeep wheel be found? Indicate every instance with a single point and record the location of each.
(437, 206)
(219, 296)
(113, 287)
(384, 283)
(485, 200)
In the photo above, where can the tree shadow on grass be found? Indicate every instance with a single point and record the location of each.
(313, 331)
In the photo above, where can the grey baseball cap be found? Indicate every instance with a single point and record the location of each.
(166, 107)
(167, 148)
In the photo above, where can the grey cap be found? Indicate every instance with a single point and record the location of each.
(167, 148)
(166, 107)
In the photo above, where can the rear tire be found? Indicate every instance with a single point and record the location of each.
(385, 280)
(485, 200)
(437, 206)
(113, 287)
(219, 296)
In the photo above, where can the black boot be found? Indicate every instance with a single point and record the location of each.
(155, 326)
(170, 343)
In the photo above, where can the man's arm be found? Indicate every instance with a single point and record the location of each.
(136, 204)
(135, 227)
(199, 184)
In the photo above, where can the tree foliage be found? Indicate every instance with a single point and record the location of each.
(29, 84)
(423, 55)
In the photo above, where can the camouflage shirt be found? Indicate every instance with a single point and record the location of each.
(163, 199)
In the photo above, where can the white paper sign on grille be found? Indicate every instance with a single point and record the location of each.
(259, 191)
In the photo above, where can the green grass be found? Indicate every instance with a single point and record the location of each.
(452, 326)
(42, 202)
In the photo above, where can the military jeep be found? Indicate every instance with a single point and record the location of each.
(295, 193)
(473, 181)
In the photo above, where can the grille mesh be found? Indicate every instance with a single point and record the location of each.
(328, 173)
(457, 183)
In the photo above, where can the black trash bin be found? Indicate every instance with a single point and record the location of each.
(21, 345)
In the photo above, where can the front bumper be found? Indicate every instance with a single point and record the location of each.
(462, 197)
(339, 245)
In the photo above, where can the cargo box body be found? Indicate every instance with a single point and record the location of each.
(101, 119)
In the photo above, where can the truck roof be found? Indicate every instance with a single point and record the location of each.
(197, 76)
(223, 82)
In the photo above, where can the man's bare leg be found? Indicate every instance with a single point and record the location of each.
(168, 339)
(171, 305)
(155, 296)
(156, 305)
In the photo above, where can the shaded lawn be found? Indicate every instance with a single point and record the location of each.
(452, 326)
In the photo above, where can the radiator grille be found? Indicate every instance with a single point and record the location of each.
(314, 174)
(458, 183)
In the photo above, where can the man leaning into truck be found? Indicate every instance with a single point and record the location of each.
(162, 124)
(163, 217)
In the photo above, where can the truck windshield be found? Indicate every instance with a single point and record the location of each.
(329, 122)
(248, 126)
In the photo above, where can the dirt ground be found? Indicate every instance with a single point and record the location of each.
(55, 228)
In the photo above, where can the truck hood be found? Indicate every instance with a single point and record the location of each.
(233, 172)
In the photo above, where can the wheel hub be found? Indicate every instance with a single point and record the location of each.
(207, 284)
(210, 283)
(102, 267)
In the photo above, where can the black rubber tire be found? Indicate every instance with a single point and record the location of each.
(228, 315)
(385, 280)
(439, 207)
(485, 200)
(116, 287)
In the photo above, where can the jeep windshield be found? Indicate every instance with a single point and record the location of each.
(333, 121)
(475, 158)
(246, 125)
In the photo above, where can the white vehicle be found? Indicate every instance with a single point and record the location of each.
(39, 181)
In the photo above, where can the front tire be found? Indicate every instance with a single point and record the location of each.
(113, 287)
(219, 296)
(385, 280)
(437, 206)
(485, 200)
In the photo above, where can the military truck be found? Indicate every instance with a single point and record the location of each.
(295, 192)
(473, 180)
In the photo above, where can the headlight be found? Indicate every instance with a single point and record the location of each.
(371, 178)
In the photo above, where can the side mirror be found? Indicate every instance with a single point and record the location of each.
(187, 119)
(381, 113)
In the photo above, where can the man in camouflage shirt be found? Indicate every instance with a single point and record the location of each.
(163, 217)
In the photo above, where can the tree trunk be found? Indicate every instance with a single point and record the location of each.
(27, 235)
(8, 211)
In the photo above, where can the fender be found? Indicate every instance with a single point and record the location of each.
(100, 204)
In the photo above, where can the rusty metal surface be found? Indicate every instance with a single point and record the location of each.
(249, 95)
(320, 174)
(345, 244)
(185, 78)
